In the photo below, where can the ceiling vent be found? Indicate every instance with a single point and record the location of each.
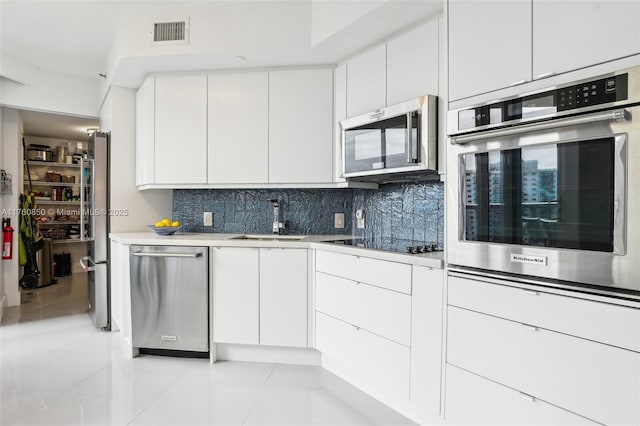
(174, 32)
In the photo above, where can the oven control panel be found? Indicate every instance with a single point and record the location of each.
(564, 98)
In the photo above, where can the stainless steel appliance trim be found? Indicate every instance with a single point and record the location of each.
(633, 91)
(409, 138)
(388, 112)
(497, 278)
(145, 254)
(616, 115)
(620, 191)
(85, 267)
(82, 201)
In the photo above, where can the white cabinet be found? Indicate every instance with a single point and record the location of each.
(300, 126)
(235, 287)
(412, 63)
(283, 297)
(577, 354)
(568, 35)
(339, 113)
(145, 131)
(489, 45)
(238, 128)
(497, 44)
(366, 81)
(180, 149)
(259, 296)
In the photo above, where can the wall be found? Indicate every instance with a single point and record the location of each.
(52, 91)
(2, 197)
(117, 116)
(412, 211)
(11, 158)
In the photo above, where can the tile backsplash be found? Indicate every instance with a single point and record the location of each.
(413, 211)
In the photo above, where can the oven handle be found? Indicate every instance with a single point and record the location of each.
(617, 115)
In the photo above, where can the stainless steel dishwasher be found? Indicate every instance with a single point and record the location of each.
(169, 297)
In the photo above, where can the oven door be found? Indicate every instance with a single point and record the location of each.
(549, 200)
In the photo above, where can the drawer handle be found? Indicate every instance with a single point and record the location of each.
(530, 327)
(531, 292)
(528, 397)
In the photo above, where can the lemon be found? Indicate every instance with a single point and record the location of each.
(160, 224)
(166, 222)
(175, 223)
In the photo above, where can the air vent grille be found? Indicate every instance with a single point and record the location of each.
(170, 31)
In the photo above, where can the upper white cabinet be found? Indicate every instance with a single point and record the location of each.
(145, 131)
(366, 81)
(238, 128)
(300, 126)
(568, 35)
(497, 44)
(412, 64)
(180, 151)
(401, 69)
(489, 45)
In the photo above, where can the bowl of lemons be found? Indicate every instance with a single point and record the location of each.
(165, 227)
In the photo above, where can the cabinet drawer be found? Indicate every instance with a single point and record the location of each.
(598, 381)
(381, 273)
(383, 312)
(471, 399)
(602, 322)
(371, 356)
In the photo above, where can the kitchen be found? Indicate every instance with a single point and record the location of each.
(156, 181)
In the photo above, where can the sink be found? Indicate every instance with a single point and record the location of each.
(269, 237)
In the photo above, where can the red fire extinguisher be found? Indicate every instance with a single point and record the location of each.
(7, 239)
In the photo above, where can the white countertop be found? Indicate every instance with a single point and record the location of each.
(318, 242)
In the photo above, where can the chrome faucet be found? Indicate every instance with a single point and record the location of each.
(277, 226)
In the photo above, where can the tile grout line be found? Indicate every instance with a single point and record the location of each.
(244, 421)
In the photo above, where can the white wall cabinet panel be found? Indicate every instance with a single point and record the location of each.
(340, 113)
(412, 64)
(283, 297)
(576, 374)
(471, 399)
(235, 276)
(568, 35)
(181, 129)
(145, 131)
(366, 81)
(489, 45)
(238, 128)
(300, 126)
(426, 338)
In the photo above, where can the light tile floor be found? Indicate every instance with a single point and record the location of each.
(56, 369)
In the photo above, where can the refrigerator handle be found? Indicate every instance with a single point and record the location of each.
(88, 268)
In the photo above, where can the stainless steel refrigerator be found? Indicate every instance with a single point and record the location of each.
(94, 227)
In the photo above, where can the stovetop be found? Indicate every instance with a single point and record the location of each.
(392, 244)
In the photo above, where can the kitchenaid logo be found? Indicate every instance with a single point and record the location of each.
(531, 260)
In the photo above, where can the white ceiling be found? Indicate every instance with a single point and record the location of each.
(76, 37)
(57, 126)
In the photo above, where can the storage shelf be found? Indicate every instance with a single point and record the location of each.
(57, 223)
(51, 164)
(65, 203)
(69, 241)
(43, 183)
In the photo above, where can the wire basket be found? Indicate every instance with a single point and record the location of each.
(5, 182)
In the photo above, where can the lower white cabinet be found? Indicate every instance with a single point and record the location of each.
(259, 296)
(367, 354)
(474, 400)
(544, 353)
(283, 297)
(235, 288)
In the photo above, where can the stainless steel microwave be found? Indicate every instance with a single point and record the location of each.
(391, 143)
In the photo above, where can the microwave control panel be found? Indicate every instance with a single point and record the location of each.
(570, 97)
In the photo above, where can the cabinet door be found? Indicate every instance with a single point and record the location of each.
(145, 131)
(367, 81)
(283, 297)
(181, 129)
(340, 113)
(234, 273)
(238, 128)
(489, 45)
(412, 64)
(300, 126)
(568, 35)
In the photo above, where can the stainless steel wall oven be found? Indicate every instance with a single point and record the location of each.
(548, 184)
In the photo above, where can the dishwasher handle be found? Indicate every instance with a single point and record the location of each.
(146, 254)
